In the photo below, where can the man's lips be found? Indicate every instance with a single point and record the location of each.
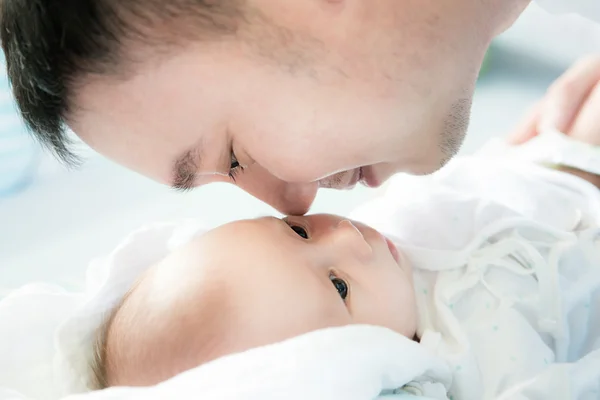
(368, 177)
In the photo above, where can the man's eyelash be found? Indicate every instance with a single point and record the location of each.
(234, 172)
(235, 167)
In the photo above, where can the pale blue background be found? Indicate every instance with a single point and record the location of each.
(19, 154)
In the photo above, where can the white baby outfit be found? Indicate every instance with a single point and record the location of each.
(507, 268)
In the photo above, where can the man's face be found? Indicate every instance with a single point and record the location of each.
(325, 93)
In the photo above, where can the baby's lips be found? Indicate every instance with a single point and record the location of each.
(393, 249)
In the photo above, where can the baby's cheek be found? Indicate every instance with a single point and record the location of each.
(412, 313)
(405, 307)
(394, 308)
(405, 264)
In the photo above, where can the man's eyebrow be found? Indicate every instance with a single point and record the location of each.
(185, 169)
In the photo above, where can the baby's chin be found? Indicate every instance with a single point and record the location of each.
(409, 332)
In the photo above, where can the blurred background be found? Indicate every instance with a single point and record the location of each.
(53, 221)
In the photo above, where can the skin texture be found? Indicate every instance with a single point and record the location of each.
(305, 95)
(252, 283)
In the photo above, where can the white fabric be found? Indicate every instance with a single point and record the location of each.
(586, 8)
(507, 258)
(354, 363)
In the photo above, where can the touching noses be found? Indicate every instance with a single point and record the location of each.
(348, 240)
(296, 198)
(287, 197)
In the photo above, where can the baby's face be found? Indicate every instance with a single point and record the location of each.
(300, 274)
(268, 280)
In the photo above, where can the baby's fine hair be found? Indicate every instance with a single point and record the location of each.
(99, 378)
(137, 346)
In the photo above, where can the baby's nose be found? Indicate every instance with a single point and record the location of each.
(347, 238)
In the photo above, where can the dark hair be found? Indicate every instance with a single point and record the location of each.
(50, 45)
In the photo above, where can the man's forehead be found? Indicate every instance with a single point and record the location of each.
(157, 116)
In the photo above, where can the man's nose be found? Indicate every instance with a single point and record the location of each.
(296, 198)
(288, 198)
(347, 239)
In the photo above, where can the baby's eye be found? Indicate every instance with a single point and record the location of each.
(340, 285)
(300, 231)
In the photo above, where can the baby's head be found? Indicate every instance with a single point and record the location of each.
(249, 284)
